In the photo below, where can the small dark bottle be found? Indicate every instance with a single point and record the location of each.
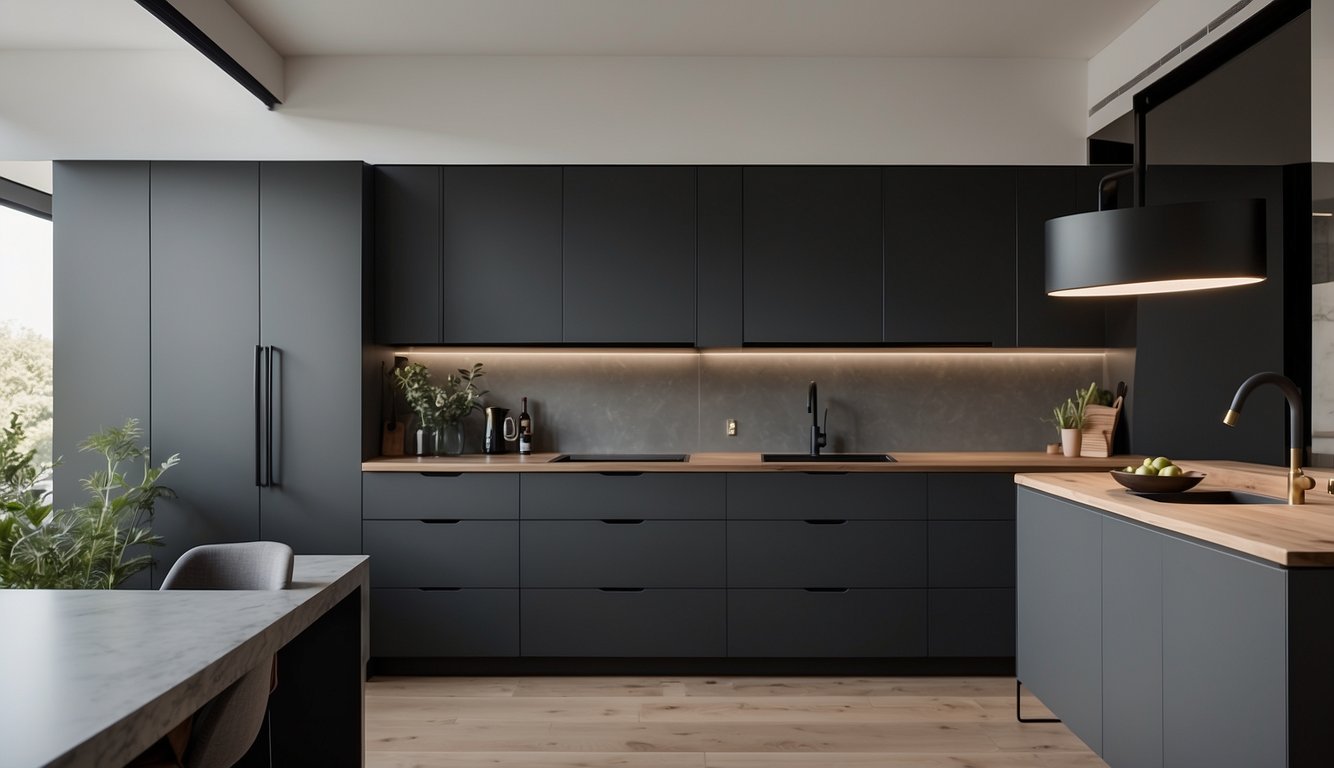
(525, 431)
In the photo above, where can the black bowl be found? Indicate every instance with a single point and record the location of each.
(1156, 484)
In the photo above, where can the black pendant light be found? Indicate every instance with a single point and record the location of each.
(1151, 249)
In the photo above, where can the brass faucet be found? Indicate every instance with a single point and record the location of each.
(1298, 483)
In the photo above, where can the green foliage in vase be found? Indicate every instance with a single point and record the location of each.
(438, 405)
(87, 546)
(1071, 413)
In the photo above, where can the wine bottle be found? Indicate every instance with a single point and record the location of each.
(525, 430)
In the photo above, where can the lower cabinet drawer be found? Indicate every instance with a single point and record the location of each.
(465, 553)
(647, 553)
(462, 622)
(603, 623)
(972, 622)
(824, 553)
(853, 623)
(972, 554)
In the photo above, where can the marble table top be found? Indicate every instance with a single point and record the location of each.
(93, 677)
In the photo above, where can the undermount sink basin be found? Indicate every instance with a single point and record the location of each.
(1210, 497)
(835, 458)
(622, 457)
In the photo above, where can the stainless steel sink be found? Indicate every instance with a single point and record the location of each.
(827, 457)
(1209, 497)
(627, 457)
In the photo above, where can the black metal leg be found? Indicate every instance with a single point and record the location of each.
(1019, 709)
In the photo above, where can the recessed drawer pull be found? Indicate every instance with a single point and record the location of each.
(622, 522)
(439, 522)
(440, 474)
(822, 472)
(825, 522)
(439, 589)
(620, 589)
(826, 589)
(620, 474)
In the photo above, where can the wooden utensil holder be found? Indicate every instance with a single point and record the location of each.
(1100, 429)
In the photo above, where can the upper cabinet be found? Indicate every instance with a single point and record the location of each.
(949, 255)
(720, 256)
(1045, 321)
(813, 265)
(500, 233)
(407, 254)
(629, 255)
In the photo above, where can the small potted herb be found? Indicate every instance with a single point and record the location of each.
(1068, 418)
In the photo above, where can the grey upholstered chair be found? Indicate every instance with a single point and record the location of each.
(225, 728)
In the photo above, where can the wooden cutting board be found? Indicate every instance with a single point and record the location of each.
(392, 439)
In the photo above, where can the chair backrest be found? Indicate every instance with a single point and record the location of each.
(224, 729)
(245, 565)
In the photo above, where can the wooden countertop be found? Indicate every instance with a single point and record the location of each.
(1287, 535)
(941, 461)
(93, 677)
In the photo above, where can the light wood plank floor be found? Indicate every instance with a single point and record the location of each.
(709, 722)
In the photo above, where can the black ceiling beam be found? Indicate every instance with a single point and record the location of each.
(192, 34)
(24, 198)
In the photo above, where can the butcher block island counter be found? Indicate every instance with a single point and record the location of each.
(1167, 634)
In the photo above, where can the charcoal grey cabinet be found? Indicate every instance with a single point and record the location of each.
(718, 281)
(946, 283)
(828, 622)
(1059, 614)
(1132, 621)
(972, 566)
(813, 266)
(1224, 646)
(1159, 650)
(204, 329)
(407, 254)
(1045, 321)
(500, 255)
(629, 255)
(229, 256)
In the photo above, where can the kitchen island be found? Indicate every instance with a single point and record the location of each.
(1172, 635)
(92, 678)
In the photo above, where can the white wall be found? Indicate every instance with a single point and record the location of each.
(1158, 31)
(549, 109)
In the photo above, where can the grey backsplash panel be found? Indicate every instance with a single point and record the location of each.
(678, 401)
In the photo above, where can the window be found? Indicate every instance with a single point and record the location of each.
(26, 325)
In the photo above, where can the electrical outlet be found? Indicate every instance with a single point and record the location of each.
(731, 427)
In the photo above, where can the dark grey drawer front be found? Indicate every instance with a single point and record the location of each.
(808, 496)
(461, 496)
(652, 553)
(644, 496)
(652, 622)
(974, 553)
(465, 622)
(852, 624)
(981, 496)
(854, 553)
(469, 553)
(972, 622)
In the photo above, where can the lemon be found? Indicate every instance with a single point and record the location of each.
(1160, 462)
(1171, 470)
(1145, 469)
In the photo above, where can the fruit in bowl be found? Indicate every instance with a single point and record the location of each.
(1156, 475)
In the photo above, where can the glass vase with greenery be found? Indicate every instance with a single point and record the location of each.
(441, 408)
(87, 546)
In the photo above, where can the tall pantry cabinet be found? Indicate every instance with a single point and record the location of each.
(222, 305)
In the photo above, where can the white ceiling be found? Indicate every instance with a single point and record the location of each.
(946, 28)
(82, 25)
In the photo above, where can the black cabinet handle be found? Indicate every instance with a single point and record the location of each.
(622, 522)
(440, 474)
(827, 589)
(620, 589)
(438, 522)
(620, 474)
(268, 420)
(824, 522)
(259, 448)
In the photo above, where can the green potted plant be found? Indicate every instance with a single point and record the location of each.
(440, 409)
(1068, 418)
(95, 545)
